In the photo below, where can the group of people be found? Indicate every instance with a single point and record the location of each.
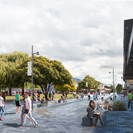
(93, 107)
(93, 96)
(26, 109)
(51, 95)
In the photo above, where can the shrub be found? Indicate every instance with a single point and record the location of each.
(106, 102)
(119, 106)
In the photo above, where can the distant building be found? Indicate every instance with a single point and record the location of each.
(101, 87)
(128, 54)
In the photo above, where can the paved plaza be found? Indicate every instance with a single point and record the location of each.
(65, 118)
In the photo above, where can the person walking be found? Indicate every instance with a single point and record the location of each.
(17, 101)
(2, 107)
(130, 97)
(88, 95)
(23, 112)
(28, 111)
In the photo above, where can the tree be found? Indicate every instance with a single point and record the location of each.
(8, 64)
(65, 87)
(45, 73)
(92, 83)
(112, 89)
(119, 88)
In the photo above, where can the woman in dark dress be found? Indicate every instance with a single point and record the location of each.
(91, 112)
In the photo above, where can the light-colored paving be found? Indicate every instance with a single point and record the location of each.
(66, 118)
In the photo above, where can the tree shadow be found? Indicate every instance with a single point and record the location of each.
(11, 125)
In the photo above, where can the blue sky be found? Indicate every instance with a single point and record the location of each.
(85, 35)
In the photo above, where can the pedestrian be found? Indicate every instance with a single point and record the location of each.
(17, 101)
(53, 93)
(2, 107)
(130, 97)
(88, 95)
(82, 95)
(91, 96)
(36, 96)
(23, 112)
(28, 111)
(50, 94)
(4, 96)
(66, 93)
(39, 93)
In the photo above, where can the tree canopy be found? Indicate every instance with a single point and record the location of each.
(119, 88)
(65, 87)
(92, 83)
(8, 63)
(46, 72)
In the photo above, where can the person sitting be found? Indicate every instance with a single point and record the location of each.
(110, 104)
(61, 99)
(92, 113)
(102, 104)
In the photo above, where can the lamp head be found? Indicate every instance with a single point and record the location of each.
(37, 53)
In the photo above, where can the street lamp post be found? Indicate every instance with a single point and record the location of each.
(37, 53)
(113, 81)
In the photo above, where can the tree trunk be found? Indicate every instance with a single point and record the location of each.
(10, 91)
(45, 92)
(22, 91)
(42, 90)
(46, 96)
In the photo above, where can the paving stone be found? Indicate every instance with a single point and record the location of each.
(66, 119)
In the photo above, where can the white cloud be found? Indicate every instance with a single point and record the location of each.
(86, 36)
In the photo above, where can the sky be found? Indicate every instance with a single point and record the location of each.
(85, 35)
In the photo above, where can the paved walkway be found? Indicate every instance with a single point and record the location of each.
(66, 118)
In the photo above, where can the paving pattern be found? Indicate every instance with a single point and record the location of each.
(66, 118)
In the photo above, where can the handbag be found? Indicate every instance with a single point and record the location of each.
(26, 111)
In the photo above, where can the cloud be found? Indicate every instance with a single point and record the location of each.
(86, 36)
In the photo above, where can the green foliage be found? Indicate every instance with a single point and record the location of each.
(65, 87)
(119, 106)
(112, 89)
(119, 88)
(45, 72)
(13, 72)
(8, 64)
(106, 102)
(92, 83)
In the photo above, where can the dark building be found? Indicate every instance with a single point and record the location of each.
(128, 52)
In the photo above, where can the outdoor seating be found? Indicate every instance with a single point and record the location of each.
(88, 122)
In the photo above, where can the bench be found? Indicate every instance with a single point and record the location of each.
(88, 122)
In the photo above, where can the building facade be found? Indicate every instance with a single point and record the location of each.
(128, 53)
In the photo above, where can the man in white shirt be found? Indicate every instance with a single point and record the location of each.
(28, 111)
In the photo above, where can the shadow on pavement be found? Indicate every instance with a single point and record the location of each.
(11, 125)
(9, 113)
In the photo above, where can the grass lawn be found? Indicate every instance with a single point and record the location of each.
(57, 96)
